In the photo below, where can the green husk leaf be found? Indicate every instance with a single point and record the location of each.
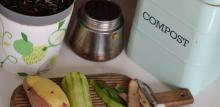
(105, 95)
(112, 92)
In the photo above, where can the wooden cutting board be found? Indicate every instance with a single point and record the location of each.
(19, 98)
(171, 99)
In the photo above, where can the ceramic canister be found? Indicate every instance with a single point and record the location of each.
(30, 44)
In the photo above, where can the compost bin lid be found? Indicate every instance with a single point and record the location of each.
(212, 2)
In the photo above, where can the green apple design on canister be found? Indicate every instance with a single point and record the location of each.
(57, 36)
(23, 46)
(32, 54)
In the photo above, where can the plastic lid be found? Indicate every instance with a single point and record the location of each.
(212, 2)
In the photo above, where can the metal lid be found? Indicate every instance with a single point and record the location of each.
(101, 15)
(212, 2)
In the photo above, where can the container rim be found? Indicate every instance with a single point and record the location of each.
(94, 23)
(35, 20)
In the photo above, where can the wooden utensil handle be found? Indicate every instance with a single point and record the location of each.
(175, 98)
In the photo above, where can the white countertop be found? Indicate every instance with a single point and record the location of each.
(69, 61)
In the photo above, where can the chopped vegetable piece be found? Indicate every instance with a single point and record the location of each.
(107, 94)
(76, 86)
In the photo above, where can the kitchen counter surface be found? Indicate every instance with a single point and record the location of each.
(69, 61)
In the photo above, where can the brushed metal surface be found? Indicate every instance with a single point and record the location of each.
(96, 39)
